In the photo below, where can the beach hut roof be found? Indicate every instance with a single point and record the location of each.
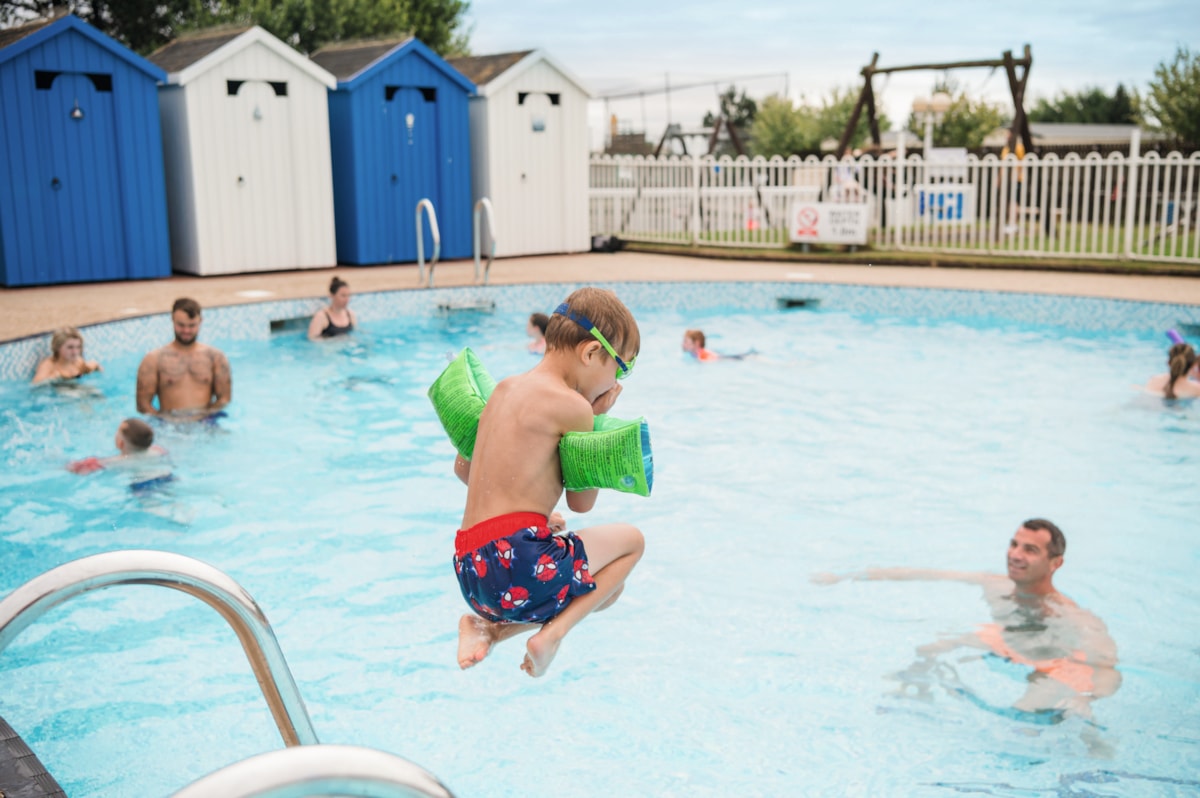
(192, 55)
(352, 62)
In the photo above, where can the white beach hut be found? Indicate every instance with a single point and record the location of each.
(529, 151)
(245, 123)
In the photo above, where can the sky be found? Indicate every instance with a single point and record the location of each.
(802, 49)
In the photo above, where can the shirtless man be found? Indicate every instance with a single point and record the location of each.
(1072, 659)
(190, 379)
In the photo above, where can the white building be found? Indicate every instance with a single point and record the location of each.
(245, 122)
(529, 151)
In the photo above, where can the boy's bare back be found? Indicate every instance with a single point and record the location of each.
(517, 467)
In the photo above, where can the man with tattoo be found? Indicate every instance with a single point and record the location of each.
(190, 379)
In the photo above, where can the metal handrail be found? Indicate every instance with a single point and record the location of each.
(485, 205)
(427, 204)
(215, 588)
(318, 770)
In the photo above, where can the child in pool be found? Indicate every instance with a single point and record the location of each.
(146, 462)
(694, 342)
(517, 566)
(1175, 384)
(536, 329)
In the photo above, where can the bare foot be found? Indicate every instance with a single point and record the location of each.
(475, 639)
(539, 651)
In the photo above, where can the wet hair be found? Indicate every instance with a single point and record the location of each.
(541, 321)
(60, 337)
(189, 306)
(337, 284)
(1058, 542)
(137, 434)
(1180, 360)
(695, 335)
(603, 309)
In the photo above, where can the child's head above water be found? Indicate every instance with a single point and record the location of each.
(693, 340)
(598, 309)
(134, 436)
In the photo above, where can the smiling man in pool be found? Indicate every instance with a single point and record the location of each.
(1067, 651)
(191, 380)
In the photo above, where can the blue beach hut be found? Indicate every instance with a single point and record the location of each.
(398, 129)
(82, 195)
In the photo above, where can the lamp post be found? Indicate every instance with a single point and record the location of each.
(932, 109)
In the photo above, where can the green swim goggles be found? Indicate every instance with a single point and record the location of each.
(624, 369)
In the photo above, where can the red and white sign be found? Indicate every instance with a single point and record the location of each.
(828, 223)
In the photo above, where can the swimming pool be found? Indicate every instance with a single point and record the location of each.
(879, 427)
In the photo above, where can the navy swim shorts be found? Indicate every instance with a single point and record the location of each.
(511, 569)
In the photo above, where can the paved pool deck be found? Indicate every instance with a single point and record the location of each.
(32, 311)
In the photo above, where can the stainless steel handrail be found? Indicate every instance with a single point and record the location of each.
(427, 204)
(318, 770)
(215, 588)
(485, 205)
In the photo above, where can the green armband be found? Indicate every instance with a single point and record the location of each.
(458, 396)
(615, 454)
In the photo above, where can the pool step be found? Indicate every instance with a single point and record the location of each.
(22, 774)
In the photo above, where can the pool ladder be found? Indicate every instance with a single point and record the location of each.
(482, 207)
(326, 769)
(426, 204)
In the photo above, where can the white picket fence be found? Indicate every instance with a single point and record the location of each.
(1139, 207)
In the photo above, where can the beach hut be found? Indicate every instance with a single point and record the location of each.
(399, 129)
(81, 169)
(529, 151)
(246, 143)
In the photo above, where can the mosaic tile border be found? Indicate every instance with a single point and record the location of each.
(252, 321)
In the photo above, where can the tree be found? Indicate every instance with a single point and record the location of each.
(834, 115)
(1173, 100)
(965, 124)
(783, 129)
(1089, 106)
(738, 110)
(145, 25)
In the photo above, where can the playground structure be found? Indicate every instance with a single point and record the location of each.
(1016, 84)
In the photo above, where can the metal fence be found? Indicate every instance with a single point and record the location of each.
(1141, 207)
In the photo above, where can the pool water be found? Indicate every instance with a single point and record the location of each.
(853, 440)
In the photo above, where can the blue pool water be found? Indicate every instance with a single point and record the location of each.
(857, 439)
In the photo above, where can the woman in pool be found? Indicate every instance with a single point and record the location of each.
(338, 318)
(66, 358)
(1181, 362)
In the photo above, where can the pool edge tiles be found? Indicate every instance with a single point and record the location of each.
(252, 321)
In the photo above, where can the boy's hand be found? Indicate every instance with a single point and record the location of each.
(556, 523)
(605, 401)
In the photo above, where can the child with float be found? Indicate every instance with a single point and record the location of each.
(522, 442)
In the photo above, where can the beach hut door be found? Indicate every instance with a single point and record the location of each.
(78, 179)
(413, 167)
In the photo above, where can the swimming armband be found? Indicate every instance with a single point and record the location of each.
(615, 454)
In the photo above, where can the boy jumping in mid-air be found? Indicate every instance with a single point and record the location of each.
(517, 565)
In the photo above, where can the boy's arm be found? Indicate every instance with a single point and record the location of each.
(580, 501)
(462, 468)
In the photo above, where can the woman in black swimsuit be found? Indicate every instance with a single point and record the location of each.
(338, 318)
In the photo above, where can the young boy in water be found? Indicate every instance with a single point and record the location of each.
(517, 566)
(145, 462)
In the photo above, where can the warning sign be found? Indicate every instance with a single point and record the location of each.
(829, 223)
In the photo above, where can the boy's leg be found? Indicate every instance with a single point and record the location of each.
(612, 551)
(476, 636)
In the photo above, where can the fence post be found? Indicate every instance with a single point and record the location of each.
(1135, 147)
(695, 200)
(901, 190)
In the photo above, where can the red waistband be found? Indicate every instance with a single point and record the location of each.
(483, 533)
